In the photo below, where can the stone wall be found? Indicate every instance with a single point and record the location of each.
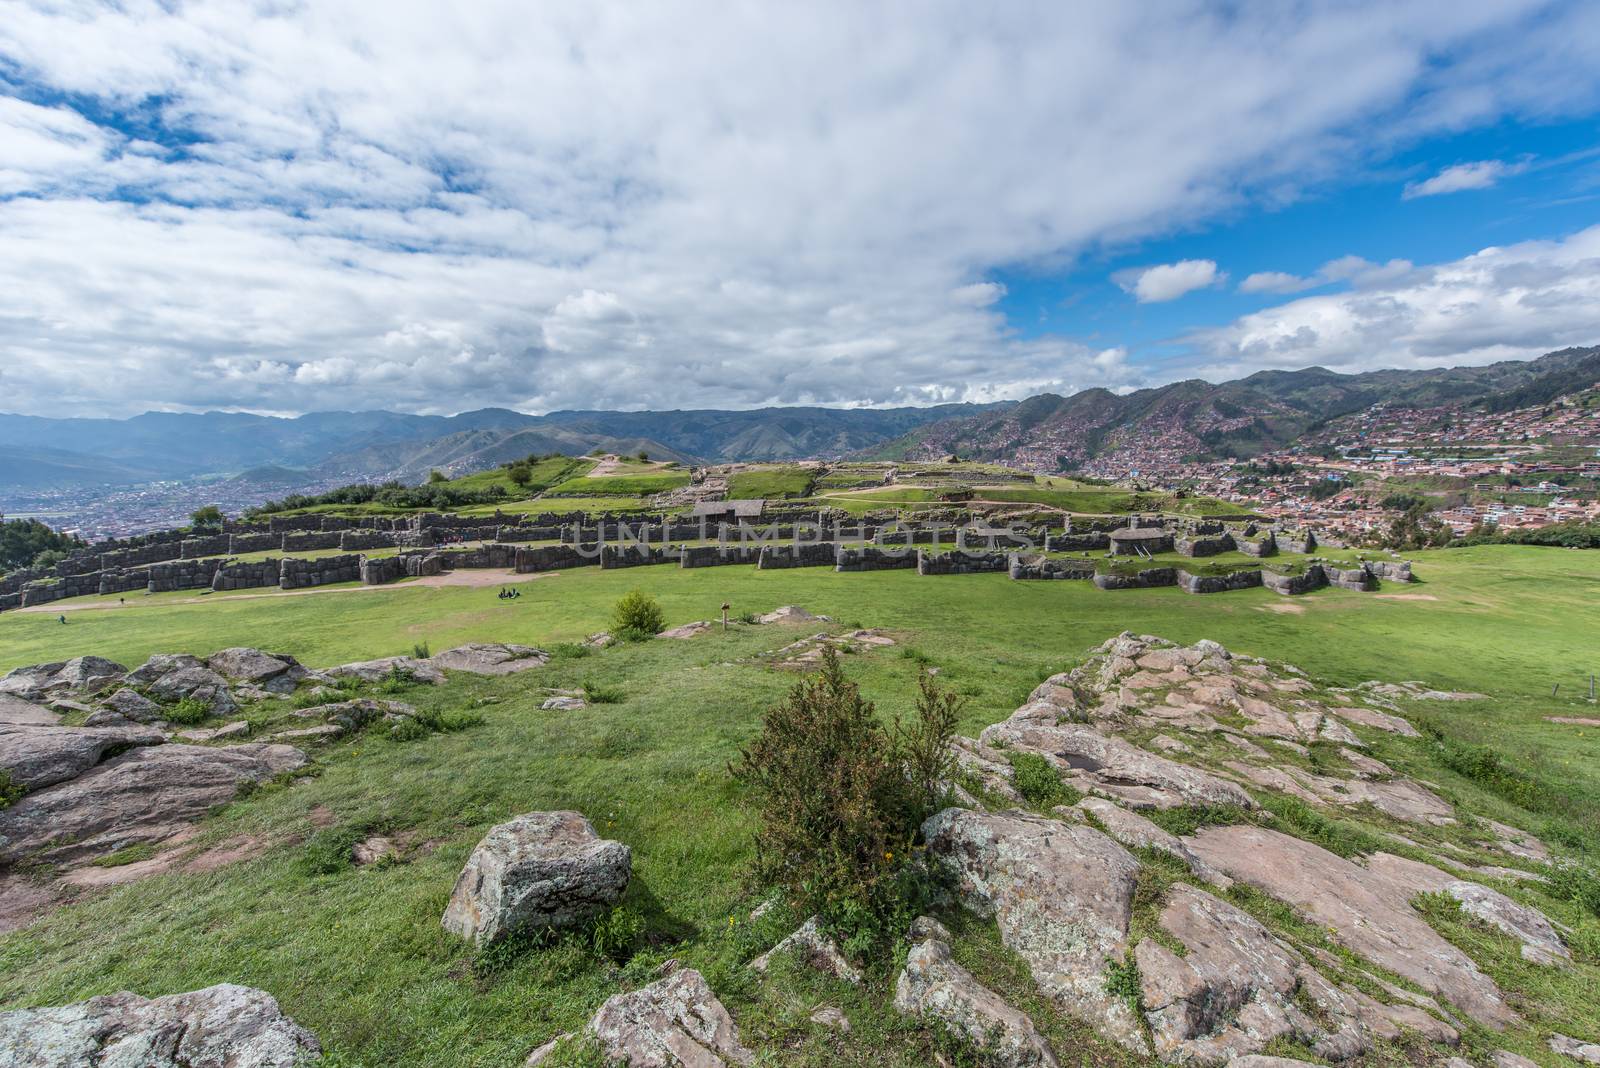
(42, 591)
(1349, 578)
(720, 555)
(1391, 570)
(1266, 545)
(1035, 566)
(280, 524)
(1289, 585)
(960, 562)
(523, 534)
(1138, 580)
(182, 575)
(245, 575)
(797, 554)
(355, 540)
(1077, 543)
(556, 557)
(261, 542)
(119, 580)
(872, 558)
(311, 541)
(1234, 580)
(1296, 541)
(214, 545)
(1203, 545)
(1130, 541)
(492, 555)
(141, 555)
(296, 573)
(631, 554)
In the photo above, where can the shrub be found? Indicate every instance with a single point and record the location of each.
(408, 730)
(840, 800)
(420, 651)
(1122, 981)
(1039, 783)
(10, 792)
(637, 616)
(597, 694)
(398, 680)
(188, 710)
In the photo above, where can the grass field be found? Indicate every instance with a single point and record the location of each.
(623, 485)
(772, 483)
(358, 956)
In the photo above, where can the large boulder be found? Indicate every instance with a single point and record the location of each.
(172, 677)
(389, 666)
(223, 1026)
(37, 757)
(19, 712)
(130, 704)
(674, 1021)
(1358, 907)
(489, 658)
(542, 870)
(1062, 895)
(145, 795)
(84, 674)
(934, 985)
(273, 672)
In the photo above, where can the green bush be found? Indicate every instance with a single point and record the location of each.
(408, 730)
(637, 615)
(1575, 883)
(420, 651)
(1039, 783)
(10, 792)
(449, 721)
(596, 694)
(1122, 981)
(840, 800)
(187, 711)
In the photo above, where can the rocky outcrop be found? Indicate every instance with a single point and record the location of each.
(224, 1026)
(542, 870)
(934, 985)
(170, 677)
(812, 946)
(144, 795)
(1540, 942)
(1587, 1052)
(132, 705)
(673, 1021)
(17, 712)
(39, 756)
(273, 672)
(1136, 832)
(1358, 907)
(1062, 896)
(1233, 580)
(791, 613)
(489, 658)
(81, 674)
(420, 671)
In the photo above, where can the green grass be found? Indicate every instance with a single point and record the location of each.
(357, 954)
(542, 475)
(777, 482)
(638, 484)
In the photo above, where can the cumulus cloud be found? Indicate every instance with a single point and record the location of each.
(1462, 176)
(288, 207)
(1275, 282)
(1509, 302)
(1168, 281)
(1352, 269)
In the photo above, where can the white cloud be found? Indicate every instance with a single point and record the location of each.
(1462, 176)
(343, 204)
(1275, 282)
(1509, 302)
(1168, 281)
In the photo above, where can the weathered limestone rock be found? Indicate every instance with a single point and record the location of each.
(540, 870)
(18, 712)
(1503, 1058)
(1062, 896)
(815, 948)
(135, 706)
(1540, 942)
(1588, 1052)
(224, 1026)
(1136, 832)
(933, 984)
(144, 795)
(1371, 717)
(791, 613)
(378, 670)
(673, 1021)
(1358, 908)
(687, 630)
(37, 757)
(273, 672)
(1236, 988)
(175, 676)
(84, 674)
(489, 658)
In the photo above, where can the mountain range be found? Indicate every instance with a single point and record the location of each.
(1194, 419)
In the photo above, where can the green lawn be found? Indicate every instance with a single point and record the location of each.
(624, 485)
(358, 955)
(778, 482)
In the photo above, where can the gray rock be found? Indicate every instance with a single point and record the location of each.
(1578, 1050)
(144, 795)
(37, 757)
(540, 870)
(673, 1021)
(1540, 942)
(1062, 896)
(132, 705)
(273, 672)
(198, 684)
(1504, 1058)
(831, 1018)
(811, 945)
(1358, 907)
(791, 613)
(489, 658)
(564, 703)
(224, 1026)
(84, 674)
(934, 985)
(1136, 832)
(15, 710)
(378, 670)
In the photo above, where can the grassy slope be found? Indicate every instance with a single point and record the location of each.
(769, 484)
(358, 955)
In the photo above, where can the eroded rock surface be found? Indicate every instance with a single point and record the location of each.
(385, 667)
(489, 658)
(810, 944)
(39, 756)
(272, 672)
(223, 1026)
(540, 870)
(674, 1021)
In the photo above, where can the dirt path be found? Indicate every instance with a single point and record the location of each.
(476, 577)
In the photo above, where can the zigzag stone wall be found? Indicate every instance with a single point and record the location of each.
(182, 575)
(719, 555)
(1038, 566)
(960, 562)
(296, 573)
(311, 541)
(1234, 580)
(872, 558)
(241, 575)
(797, 554)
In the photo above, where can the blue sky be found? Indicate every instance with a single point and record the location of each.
(291, 206)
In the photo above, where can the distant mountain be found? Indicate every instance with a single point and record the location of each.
(1194, 419)
(37, 452)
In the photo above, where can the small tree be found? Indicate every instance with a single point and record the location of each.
(520, 475)
(637, 616)
(207, 518)
(644, 457)
(437, 475)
